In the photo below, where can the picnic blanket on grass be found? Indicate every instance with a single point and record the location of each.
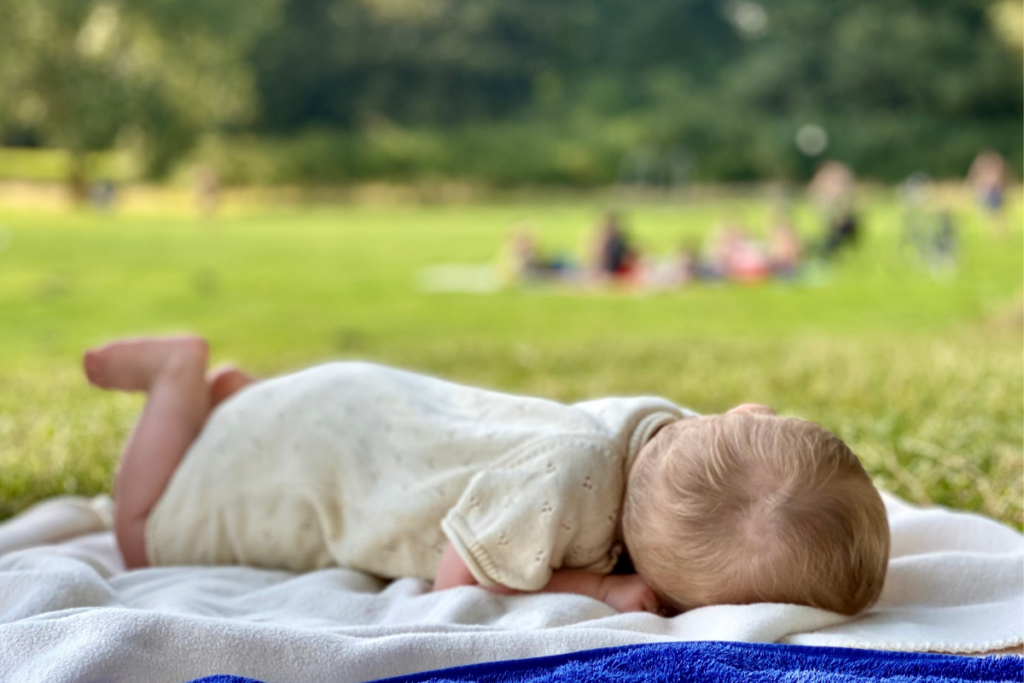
(713, 662)
(68, 611)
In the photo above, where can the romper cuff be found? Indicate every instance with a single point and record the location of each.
(470, 550)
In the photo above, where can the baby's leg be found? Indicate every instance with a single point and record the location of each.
(224, 382)
(171, 371)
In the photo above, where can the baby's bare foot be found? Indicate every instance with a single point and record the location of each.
(133, 364)
(224, 381)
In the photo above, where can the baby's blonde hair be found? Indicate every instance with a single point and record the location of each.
(744, 508)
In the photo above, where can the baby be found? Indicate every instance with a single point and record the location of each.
(399, 474)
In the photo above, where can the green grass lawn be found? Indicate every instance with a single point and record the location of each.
(921, 375)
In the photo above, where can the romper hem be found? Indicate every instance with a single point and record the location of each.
(472, 553)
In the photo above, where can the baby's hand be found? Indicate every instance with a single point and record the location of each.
(628, 593)
(452, 571)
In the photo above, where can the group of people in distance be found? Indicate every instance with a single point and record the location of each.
(730, 253)
(930, 225)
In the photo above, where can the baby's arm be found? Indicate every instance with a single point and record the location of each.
(625, 593)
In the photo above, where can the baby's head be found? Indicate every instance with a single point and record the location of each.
(748, 507)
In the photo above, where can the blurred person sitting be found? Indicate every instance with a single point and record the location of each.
(988, 177)
(841, 232)
(943, 252)
(930, 233)
(612, 257)
(832, 190)
(718, 249)
(523, 261)
(738, 257)
(678, 270)
(832, 185)
(933, 241)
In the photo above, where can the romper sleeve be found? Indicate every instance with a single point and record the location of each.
(517, 523)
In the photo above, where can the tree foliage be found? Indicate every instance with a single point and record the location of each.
(151, 74)
(898, 84)
(578, 85)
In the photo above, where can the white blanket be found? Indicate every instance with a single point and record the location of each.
(68, 612)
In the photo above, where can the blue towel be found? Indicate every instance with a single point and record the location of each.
(718, 662)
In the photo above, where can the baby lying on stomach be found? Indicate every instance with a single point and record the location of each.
(400, 474)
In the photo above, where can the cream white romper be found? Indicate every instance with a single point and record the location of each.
(377, 469)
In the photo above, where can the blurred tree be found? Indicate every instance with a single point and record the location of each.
(894, 81)
(352, 62)
(896, 85)
(85, 75)
(452, 61)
